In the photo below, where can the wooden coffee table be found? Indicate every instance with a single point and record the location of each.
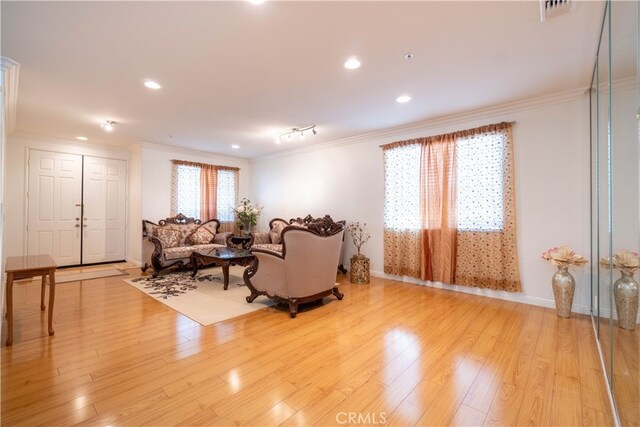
(224, 257)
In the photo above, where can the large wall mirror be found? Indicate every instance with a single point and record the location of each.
(615, 205)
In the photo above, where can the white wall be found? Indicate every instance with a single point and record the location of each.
(16, 156)
(551, 138)
(134, 236)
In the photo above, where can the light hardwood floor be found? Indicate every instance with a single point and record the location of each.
(389, 352)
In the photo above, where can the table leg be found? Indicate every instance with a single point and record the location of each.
(10, 308)
(43, 287)
(225, 274)
(194, 263)
(52, 297)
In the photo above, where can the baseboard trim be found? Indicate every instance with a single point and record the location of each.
(489, 293)
(134, 262)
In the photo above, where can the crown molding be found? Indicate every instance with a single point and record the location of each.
(9, 87)
(192, 151)
(46, 142)
(426, 125)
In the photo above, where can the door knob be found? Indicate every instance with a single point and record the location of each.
(77, 225)
(77, 219)
(84, 225)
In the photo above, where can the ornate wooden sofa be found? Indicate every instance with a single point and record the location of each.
(304, 271)
(170, 242)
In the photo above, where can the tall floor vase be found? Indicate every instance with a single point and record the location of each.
(625, 293)
(564, 286)
(359, 269)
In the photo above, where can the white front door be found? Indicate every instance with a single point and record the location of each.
(103, 221)
(54, 206)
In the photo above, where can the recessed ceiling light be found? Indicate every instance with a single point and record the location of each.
(235, 146)
(256, 1)
(352, 63)
(403, 98)
(81, 138)
(152, 85)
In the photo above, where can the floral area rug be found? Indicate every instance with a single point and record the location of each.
(202, 298)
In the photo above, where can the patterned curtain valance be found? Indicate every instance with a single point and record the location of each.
(204, 165)
(458, 134)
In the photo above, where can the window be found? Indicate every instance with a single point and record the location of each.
(227, 197)
(204, 191)
(187, 191)
(479, 164)
(402, 188)
(449, 212)
(479, 195)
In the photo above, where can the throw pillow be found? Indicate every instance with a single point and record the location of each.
(201, 236)
(276, 232)
(168, 237)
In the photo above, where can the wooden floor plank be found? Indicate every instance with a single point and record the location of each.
(392, 351)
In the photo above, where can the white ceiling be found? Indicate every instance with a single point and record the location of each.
(237, 73)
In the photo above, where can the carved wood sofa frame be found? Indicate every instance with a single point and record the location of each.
(156, 256)
(322, 227)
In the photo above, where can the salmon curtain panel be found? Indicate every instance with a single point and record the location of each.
(450, 209)
(208, 192)
(438, 209)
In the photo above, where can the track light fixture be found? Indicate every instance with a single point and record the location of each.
(297, 131)
(108, 125)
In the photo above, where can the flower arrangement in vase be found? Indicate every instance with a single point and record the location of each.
(625, 289)
(247, 214)
(563, 283)
(359, 263)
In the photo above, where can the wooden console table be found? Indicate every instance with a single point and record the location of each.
(24, 267)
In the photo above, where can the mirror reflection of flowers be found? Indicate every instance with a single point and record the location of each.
(247, 212)
(563, 256)
(625, 260)
(359, 234)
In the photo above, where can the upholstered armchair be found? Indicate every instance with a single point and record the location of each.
(304, 271)
(272, 240)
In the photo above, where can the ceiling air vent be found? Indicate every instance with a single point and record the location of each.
(552, 8)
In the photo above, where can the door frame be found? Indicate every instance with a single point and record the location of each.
(83, 153)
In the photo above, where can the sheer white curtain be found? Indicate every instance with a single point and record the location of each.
(402, 217)
(185, 194)
(227, 198)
